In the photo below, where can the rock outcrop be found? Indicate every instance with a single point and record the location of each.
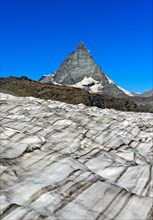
(47, 78)
(64, 162)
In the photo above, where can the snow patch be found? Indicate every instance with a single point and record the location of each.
(86, 81)
(90, 83)
(139, 93)
(96, 88)
(46, 75)
(110, 80)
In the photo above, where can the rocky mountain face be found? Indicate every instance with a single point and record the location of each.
(71, 162)
(47, 78)
(77, 65)
(80, 70)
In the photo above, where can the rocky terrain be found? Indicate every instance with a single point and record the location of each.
(146, 102)
(71, 162)
(145, 99)
(26, 87)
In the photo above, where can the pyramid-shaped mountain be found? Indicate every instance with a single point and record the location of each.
(80, 70)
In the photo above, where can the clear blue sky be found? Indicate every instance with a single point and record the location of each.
(36, 36)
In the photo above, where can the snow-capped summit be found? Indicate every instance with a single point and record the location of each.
(80, 65)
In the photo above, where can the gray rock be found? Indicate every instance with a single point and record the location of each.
(47, 78)
(78, 65)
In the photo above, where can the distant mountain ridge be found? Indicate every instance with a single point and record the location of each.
(80, 70)
(147, 93)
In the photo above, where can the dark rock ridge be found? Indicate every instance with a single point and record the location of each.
(80, 65)
(25, 87)
(144, 99)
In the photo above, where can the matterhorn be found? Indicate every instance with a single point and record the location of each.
(80, 70)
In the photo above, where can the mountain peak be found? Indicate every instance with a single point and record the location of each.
(81, 46)
(80, 67)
